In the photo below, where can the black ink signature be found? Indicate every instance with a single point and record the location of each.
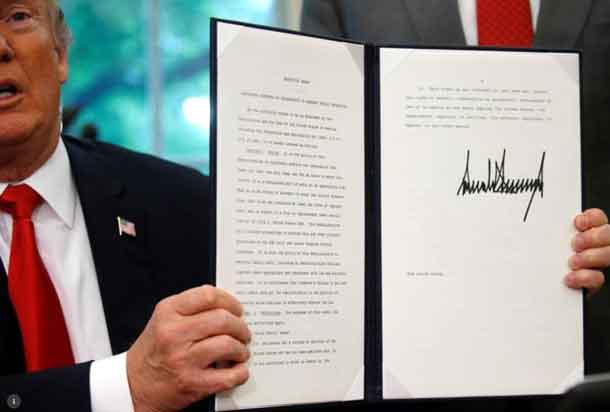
(500, 183)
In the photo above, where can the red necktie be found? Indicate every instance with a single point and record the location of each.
(43, 328)
(505, 23)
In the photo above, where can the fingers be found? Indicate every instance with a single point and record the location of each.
(205, 298)
(592, 247)
(219, 349)
(218, 380)
(590, 218)
(585, 278)
(172, 363)
(196, 384)
(214, 323)
(595, 237)
(598, 258)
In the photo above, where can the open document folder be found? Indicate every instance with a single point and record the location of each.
(396, 220)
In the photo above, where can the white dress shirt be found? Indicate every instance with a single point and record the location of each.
(63, 244)
(468, 14)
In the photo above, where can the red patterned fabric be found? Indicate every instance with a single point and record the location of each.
(41, 320)
(505, 23)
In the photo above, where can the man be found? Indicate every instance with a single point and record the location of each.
(112, 233)
(91, 238)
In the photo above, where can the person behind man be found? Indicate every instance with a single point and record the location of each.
(571, 24)
(92, 237)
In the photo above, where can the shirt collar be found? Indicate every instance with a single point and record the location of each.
(53, 182)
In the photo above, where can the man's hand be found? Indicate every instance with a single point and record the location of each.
(172, 364)
(592, 251)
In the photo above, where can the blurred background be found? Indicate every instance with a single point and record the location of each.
(139, 70)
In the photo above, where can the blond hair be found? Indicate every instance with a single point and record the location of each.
(62, 33)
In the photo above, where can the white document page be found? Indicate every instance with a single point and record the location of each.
(290, 211)
(480, 180)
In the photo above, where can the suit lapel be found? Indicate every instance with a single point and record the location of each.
(560, 23)
(436, 21)
(122, 262)
(11, 345)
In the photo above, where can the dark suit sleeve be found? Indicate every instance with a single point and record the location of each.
(322, 17)
(65, 389)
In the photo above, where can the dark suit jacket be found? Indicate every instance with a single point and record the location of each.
(169, 206)
(580, 24)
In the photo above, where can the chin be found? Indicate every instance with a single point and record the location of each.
(14, 131)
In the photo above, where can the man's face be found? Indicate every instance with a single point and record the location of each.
(32, 70)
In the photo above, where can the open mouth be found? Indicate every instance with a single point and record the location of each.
(7, 91)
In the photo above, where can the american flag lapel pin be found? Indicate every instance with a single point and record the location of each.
(126, 228)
